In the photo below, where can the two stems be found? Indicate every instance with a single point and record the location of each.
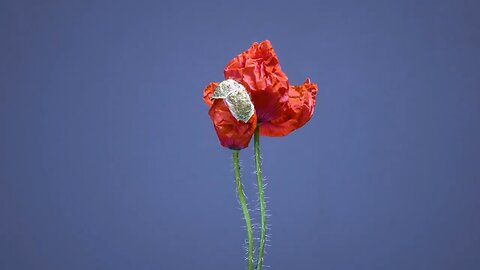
(243, 204)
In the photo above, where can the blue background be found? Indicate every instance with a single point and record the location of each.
(108, 159)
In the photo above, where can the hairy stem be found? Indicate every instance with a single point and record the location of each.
(261, 198)
(243, 204)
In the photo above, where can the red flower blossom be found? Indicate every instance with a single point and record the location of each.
(232, 133)
(258, 70)
(279, 107)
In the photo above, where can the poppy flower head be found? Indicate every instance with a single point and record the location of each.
(256, 91)
(231, 112)
(259, 71)
(232, 133)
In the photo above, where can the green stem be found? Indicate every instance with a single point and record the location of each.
(261, 198)
(243, 204)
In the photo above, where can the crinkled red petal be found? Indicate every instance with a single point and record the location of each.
(232, 133)
(208, 92)
(295, 113)
(259, 71)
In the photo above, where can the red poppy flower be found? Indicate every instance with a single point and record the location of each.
(280, 107)
(259, 71)
(232, 133)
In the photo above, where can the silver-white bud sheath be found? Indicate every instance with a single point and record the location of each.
(237, 99)
(226, 87)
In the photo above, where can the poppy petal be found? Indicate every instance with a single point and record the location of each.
(208, 93)
(296, 112)
(259, 71)
(232, 133)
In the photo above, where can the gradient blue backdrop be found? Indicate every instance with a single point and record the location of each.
(108, 159)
